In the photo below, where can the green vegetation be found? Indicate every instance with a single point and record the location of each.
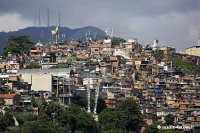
(70, 59)
(18, 44)
(60, 66)
(166, 131)
(126, 117)
(188, 66)
(82, 102)
(159, 55)
(196, 131)
(117, 40)
(169, 119)
(6, 120)
(153, 128)
(74, 119)
(137, 75)
(33, 65)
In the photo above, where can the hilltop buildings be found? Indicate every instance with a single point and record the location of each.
(127, 70)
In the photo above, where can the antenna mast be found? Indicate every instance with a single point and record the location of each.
(112, 33)
(48, 17)
(35, 21)
(39, 24)
(95, 35)
(107, 32)
(59, 19)
(89, 33)
(85, 36)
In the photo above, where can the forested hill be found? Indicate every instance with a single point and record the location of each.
(44, 33)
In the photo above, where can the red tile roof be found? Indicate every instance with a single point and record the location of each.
(7, 96)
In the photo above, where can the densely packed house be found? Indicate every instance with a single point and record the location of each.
(117, 71)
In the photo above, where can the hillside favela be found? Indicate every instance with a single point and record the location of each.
(98, 85)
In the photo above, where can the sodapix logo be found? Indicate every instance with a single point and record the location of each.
(175, 127)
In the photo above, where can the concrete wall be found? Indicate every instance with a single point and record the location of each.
(41, 82)
(193, 51)
(27, 78)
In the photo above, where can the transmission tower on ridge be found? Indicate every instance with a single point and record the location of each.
(39, 23)
(35, 21)
(59, 20)
(48, 17)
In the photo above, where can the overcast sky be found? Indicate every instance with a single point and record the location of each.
(172, 22)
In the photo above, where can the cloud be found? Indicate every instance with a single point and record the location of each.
(13, 22)
(172, 22)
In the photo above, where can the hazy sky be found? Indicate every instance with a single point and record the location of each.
(172, 22)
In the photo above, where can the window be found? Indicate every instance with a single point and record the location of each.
(96, 50)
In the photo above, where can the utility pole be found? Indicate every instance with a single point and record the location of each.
(88, 93)
(69, 91)
(97, 96)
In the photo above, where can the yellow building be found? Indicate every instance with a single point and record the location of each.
(194, 50)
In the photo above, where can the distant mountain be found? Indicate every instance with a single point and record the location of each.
(44, 34)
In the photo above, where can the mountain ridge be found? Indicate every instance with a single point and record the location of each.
(44, 34)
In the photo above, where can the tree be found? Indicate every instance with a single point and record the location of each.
(78, 120)
(53, 107)
(137, 75)
(9, 117)
(116, 131)
(82, 102)
(33, 65)
(107, 120)
(166, 131)
(117, 40)
(159, 55)
(169, 119)
(132, 110)
(18, 44)
(39, 127)
(196, 131)
(153, 128)
(188, 67)
(23, 117)
(4, 122)
(126, 117)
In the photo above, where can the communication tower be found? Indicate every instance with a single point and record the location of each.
(48, 24)
(59, 20)
(39, 23)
